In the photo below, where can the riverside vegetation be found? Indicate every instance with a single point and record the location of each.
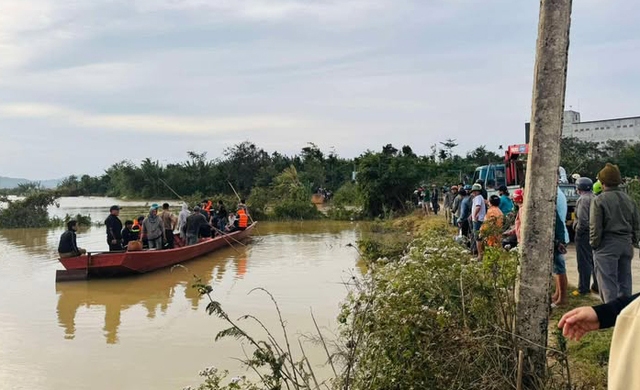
(425, 316)
(279, 187)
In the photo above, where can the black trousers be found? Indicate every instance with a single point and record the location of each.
(170, 241)
(115, 247)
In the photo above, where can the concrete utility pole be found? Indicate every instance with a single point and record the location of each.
(534, 279)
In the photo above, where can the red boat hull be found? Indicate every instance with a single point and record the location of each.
(140, 262)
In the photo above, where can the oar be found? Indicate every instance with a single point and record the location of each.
(239, 199)
(223, 234)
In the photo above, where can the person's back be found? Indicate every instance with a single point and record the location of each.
(616, 215)
(243, 219)
(506, 204)
(465, 208)
(493, 221)
(194, 224)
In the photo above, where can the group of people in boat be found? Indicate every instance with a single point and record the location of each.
(156, 230)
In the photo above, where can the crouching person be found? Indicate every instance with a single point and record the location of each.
(68, 246)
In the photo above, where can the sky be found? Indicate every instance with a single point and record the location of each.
(85, 84)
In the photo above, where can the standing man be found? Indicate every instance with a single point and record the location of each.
(169, 221)
(153, 229)
(222, 216)
(464, 213)
(114, 229)
(478, 213)
(435, 205)
(194, 222)
(449, 196)
(455, 206)
(584, 252)
(614, 230)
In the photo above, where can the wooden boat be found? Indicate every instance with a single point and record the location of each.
(113, 264)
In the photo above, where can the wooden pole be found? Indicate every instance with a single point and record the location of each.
(534, 275)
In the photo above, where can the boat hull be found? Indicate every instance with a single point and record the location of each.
(116, 264)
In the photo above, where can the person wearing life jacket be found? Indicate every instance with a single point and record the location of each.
(242, 222)
(207, 205)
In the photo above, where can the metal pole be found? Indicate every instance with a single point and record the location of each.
(534, 279)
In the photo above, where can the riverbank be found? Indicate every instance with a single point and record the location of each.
(585, 362)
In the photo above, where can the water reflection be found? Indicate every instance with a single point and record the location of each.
(155, 292)
(34, 241)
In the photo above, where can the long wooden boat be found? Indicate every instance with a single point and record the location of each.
(113, 264)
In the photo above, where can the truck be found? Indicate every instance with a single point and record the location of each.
(511, 173)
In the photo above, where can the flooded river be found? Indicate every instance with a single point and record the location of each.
(151, 331)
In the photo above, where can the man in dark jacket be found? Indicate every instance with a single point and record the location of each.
(584, 252)
(614, 231)
(114, 229)
(194, 224)
(68, 246)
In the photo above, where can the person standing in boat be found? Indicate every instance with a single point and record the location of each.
(153, 229)
(114, 229)
(68, 246)
(182, 221)
(169, 221)
(194, 223)
(243, 219)
(222, 216)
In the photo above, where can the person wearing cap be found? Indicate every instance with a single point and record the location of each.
(484, 190)
(584, 252)
(114, 229)
(613, 232)
(153, 229)
(478, 213)
(506, 204)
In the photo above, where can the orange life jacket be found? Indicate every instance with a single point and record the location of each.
(243, 219)
(136, 226)
(208, 206)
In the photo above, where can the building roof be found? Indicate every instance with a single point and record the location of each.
(607, 120)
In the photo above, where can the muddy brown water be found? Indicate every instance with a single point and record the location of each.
(151, 331)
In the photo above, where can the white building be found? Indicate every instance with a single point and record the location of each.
(617, 129)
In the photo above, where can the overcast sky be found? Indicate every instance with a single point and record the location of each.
(84, 84)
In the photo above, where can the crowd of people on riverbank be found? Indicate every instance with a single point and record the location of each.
(607, 228)
(156, 229)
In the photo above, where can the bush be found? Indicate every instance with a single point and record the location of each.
(30, 212)
(433, 319)
(83, 220)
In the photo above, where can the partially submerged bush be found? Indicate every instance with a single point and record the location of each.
(30, 212)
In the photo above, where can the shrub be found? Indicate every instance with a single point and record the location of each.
(30, 212)
(433, 319)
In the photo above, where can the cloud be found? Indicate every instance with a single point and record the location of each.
(153, 123)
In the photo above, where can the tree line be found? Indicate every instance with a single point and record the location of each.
(385, 179)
